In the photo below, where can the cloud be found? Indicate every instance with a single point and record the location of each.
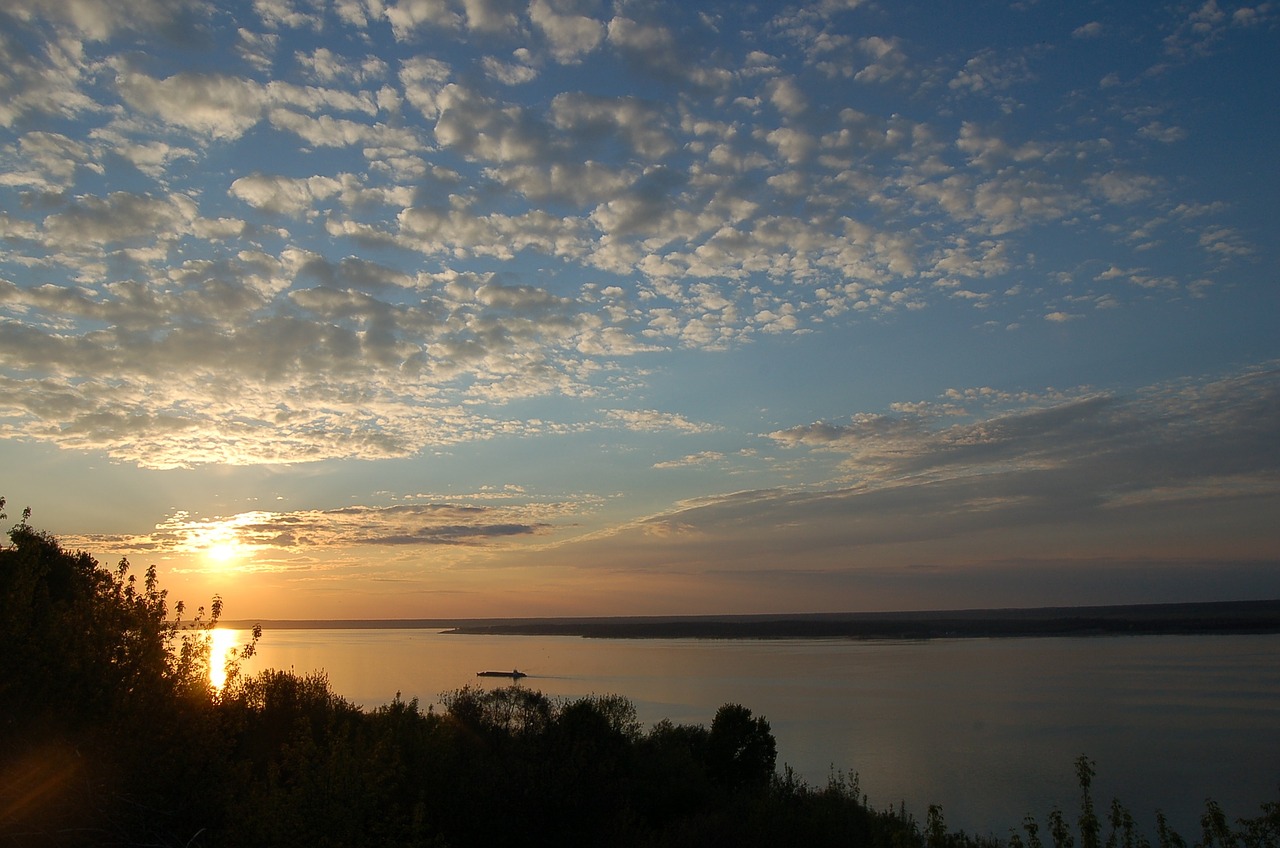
(1170, 461)
(120, 217)
(692, 460)
(457, 232)
(327, 131)
(584, 183)
(152, 157)
(98, 20)
(652, 421)
(886, 60)
(1225, 242)
(570, 35)
(282, 195)
(591, 121)
(479, 127)
(492, 16)
(49, 81)
(408, 16)
(509, 73)
(652, 45)
(794, 146)
(1010, 201)
(990, 151)
(262, 369)
(1124, 188)
(423, 79)
(53, 160)
(1161, 133)
(276, 14)
(655, 49)
(988, 72)
(325, 66)
(787, 97)
(268, 539)
(1093, 434)
(1207, 24)
(258, 49)
(219, 106)
(177, 237)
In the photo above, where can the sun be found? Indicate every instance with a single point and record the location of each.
(218, 543)
(224, 551)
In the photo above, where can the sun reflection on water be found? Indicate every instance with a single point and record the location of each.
(222, 644)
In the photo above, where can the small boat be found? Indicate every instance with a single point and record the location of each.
(513, 674)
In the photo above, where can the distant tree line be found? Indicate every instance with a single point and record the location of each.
(1201, 617)
(111, 734)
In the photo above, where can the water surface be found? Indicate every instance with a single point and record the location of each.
(988, 728)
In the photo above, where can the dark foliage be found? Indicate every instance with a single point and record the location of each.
(110, 734)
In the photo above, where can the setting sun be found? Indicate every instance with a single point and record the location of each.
(219, 541)
(224, 551)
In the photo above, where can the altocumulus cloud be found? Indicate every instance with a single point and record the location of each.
(140, 302)
(683, 257)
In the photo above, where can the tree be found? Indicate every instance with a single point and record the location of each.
(742, 750)
(97, 680)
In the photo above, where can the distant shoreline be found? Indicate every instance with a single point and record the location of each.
(1207, 618)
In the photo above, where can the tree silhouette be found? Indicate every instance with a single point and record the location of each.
(743, 752)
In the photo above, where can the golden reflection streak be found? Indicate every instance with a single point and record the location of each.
(222, 644)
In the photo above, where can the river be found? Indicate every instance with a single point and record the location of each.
(987, 728)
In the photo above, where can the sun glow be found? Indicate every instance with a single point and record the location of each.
(224, 551)
(220, 542)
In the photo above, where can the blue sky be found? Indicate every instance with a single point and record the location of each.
(490, 308)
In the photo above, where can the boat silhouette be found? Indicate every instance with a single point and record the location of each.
(514, 674)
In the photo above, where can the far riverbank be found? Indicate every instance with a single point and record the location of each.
(1207, 618)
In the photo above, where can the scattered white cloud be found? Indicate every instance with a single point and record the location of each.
(1205, 26)
(988, 72)
(1124, 188)
(1162, 133)
(408, 16)
(652, 420)
(886, 59)
(290, 14)
(218, 106)
(570, 34)
(396, 230)
(284, 196)
(509, 73)
(99, 21)
(693, 460)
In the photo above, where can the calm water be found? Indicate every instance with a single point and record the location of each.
(989, 729)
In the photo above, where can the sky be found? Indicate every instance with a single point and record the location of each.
(485, 308)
